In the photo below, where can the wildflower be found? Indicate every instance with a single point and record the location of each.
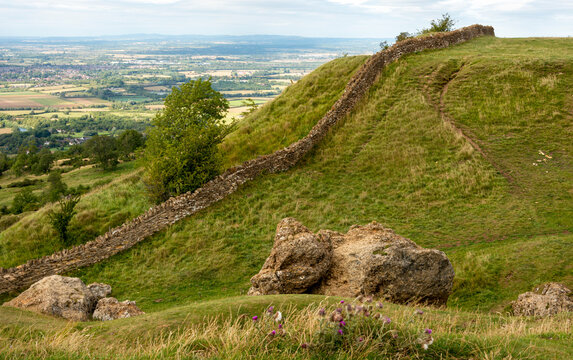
(387, 320)
(428, 331)
(255, 318)
(339, 310)
(349, 308)
(360, 339)
(342, 301)
(340, 331)
(273, 333)
(270, 309)
(304, 345)
(278, 316)
(322, 312)
(425, 346)
(379, 305)
(418, 312)
(342, 323)
(280, 326)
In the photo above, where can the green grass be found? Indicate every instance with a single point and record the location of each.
(115, 197)
(393, 160)
(290, 116)
(224, 329)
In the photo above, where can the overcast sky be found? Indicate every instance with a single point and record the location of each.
(312, 18)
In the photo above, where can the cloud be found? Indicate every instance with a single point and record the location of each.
(336, 18)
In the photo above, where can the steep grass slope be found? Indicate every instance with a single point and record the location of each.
(109, 206)
(396, 161)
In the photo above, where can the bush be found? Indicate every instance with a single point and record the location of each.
(446, 23)
(25, 200)
(60, 219)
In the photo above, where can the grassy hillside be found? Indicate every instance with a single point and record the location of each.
(394, 160)
(501, 208)
(278, 123)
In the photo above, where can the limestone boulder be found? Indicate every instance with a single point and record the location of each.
(373, 260)
(99, 290)
(110, 309)
(368, 260)
(57, 295)
(299, 259)
(546, 300)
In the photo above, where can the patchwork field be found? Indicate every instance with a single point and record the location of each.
(35, 100)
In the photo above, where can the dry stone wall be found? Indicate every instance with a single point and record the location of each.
(177, 208)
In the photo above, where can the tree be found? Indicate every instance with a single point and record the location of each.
(446, 23)
(103, 149)
(403, 36)
(129, 141)
(25, 200)
(181, 152)
(56, 187)
(60, 219)
(251, 106)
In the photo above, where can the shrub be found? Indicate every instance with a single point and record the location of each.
(60, 219)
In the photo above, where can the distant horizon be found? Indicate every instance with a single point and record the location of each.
(305, 18)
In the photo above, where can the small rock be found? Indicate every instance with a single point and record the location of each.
(99, 290)
(546, 300)
(110, 309)
(57, 295)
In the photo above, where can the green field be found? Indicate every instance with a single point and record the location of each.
(501, 209)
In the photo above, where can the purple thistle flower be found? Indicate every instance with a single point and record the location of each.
(387, 320)
(366, 313)
(360, 339)
(304, 345)
(273, 333)
(428, 331)
(322, 312)
(340, 331)
(342, 301)
(380, 305)
(342, 323)
(280, 326)
(271, 309)
(255, 318)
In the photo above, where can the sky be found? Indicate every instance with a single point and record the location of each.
(310, 18)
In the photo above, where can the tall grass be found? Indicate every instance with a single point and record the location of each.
(368, 330)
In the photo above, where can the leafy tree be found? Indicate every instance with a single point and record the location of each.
(129, 141)
(25, 200)
(403, 36)
(56, 187)
(60, 219)
(103, 149)
(4, 163)
(181, 152)
(41, 162)
(446, 23)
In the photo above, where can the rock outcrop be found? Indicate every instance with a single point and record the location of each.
(57, 295)
(99, 290)
(546, 300)
(368, 260)
(110, 309)
(298, 260)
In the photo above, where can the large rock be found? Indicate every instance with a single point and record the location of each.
(368, 260)
(110, 309)
(546, 300)
(59, 296)
(298, 260)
